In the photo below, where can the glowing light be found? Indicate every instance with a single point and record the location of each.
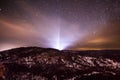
(58, 44)
(61, 45)
(60, 41)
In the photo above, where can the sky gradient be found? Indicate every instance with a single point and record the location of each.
(60, 24)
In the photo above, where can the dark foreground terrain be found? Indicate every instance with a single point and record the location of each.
(34, 63)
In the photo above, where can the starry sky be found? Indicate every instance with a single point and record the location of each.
(60, 24)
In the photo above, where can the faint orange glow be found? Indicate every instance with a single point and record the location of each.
(99, 40)
(89, 49)
(9, 46)
(13, 26)
(82, 49)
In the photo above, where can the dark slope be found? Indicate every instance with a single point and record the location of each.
(34, 63)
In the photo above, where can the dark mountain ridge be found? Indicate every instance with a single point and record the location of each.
(35, 63)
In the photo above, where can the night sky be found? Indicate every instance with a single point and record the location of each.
(60, 24)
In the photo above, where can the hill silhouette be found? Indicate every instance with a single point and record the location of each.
(35, 63)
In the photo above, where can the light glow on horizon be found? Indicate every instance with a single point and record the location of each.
(59, 24)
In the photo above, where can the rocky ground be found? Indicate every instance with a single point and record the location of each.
(34, 63)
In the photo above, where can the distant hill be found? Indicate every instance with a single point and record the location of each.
(35, 63)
